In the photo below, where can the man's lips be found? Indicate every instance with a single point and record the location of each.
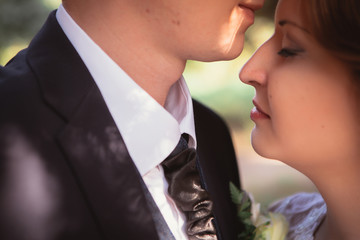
(253, 6)
(249, 12)
(248, 9)
(258, 113)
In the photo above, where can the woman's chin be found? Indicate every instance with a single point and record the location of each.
(263, 148)
(260, 151)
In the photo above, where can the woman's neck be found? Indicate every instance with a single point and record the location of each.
(340, 189)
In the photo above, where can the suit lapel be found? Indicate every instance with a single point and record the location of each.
(105, 171)
(217, 163)
(95, 151)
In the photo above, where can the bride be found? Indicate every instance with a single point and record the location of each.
(306, 114)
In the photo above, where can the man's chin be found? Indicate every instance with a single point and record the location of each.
(233, 51)
(225, 55)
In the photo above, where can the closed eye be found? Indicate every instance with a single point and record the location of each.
(286, 52)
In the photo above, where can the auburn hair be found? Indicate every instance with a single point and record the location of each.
(336, 26)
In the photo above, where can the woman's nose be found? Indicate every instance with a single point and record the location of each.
(254, 71)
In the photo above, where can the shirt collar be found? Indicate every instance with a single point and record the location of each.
(149, 130)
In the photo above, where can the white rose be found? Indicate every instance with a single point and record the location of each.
(255, 213)
(275, 230)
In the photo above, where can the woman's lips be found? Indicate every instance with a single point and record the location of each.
(256, 113)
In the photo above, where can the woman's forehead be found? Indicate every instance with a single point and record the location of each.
(291, 10)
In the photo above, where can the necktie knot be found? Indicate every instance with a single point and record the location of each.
(182, 145)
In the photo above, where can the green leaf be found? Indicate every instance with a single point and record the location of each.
(246, 205)
(236, 194)
(244, 214)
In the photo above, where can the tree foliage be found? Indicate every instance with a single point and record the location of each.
(268, 10)
(20, 20)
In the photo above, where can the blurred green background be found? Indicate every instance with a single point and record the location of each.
(215, 84)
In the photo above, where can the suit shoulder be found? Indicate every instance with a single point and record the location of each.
(16, 80)
(19, 90)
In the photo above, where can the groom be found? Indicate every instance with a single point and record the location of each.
(96, 103)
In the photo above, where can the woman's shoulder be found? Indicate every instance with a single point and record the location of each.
(303, 211)
(297, 203)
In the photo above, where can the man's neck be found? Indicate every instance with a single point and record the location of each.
(132, 46)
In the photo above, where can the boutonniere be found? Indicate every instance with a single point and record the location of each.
(270, 226)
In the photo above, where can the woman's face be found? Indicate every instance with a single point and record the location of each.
(304, 103)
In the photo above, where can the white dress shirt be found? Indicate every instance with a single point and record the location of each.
(150, 131)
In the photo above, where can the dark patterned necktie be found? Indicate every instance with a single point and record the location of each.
(186, 190)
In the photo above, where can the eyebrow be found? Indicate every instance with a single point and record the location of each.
(284, 22)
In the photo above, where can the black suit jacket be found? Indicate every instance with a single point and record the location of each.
(65, 172)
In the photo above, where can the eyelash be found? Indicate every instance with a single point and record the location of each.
(285, 52)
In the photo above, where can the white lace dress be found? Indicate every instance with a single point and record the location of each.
(304, 212)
